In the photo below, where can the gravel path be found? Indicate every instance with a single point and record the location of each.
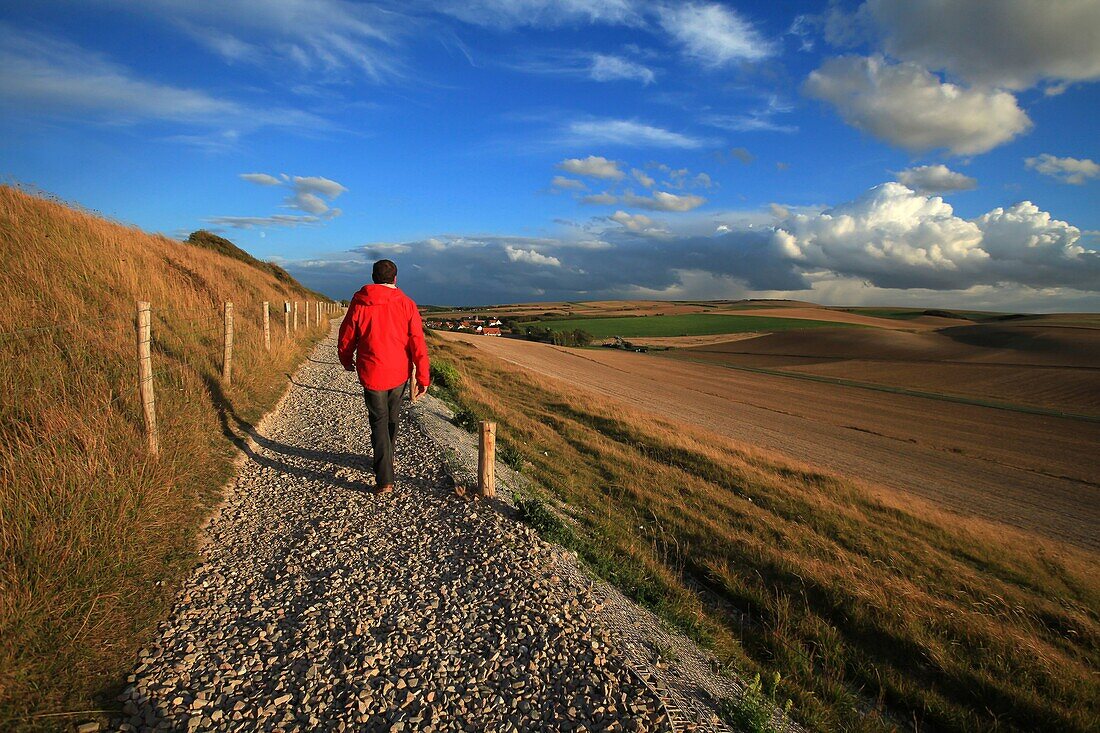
(320, 606)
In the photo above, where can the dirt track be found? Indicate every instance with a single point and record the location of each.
(1034, 472)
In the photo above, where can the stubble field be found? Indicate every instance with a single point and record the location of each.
(974, 428)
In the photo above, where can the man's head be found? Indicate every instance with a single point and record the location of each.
(384, 273)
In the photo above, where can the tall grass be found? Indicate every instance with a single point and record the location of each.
(879, 611)
(94, 533)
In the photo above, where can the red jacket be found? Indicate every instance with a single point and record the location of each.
(382, 336)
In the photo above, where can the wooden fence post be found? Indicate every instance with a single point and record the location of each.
(145, 374)
(286, 317)
(295, 316)
(486, 460)
(267, 325)
(318, 313)
(307, 315)
(412, 385)
(227, 356)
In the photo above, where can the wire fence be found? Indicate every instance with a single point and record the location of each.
(157, 338)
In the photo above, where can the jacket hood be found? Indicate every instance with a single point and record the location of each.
(376, 295)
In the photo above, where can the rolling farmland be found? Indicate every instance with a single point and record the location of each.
(1036, 472)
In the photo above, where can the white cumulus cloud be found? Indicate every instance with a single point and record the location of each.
(1012, 44)
(664, 201)
(307, 193)
(639, 224)
(896, 238)
(594, 166)
(935, 179)
(530, 256)
(317, 184)
(1067, 170)
(262, 179)
(906, 105)
(567, 184)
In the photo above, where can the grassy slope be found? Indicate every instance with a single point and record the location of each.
(93, 532)
(908, 313)
(691, 324)
(876, 610)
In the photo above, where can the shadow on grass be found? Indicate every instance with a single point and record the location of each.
(233, 425)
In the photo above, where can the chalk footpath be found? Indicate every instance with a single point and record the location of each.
(320, 606)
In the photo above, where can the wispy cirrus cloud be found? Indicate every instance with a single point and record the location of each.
(607, 67)
(505, 14)
(601, 67)
(322, 37)
(262, 222)
(713, 34)
(759, 118)
(628, 133)
(45, 75)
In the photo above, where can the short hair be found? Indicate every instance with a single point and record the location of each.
(384, 272)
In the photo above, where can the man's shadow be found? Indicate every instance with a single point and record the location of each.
(231, 423)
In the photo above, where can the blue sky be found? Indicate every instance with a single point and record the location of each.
(887, 151)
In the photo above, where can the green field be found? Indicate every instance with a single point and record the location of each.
(690, 324)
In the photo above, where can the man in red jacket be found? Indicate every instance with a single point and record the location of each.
(382, 338)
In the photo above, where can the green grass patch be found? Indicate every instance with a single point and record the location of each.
(689, 324)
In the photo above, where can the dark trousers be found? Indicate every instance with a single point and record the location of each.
(384, 410)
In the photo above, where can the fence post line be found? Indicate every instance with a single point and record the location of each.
(145, 373)
(295, 316)
(227, 355)
(267, 325)
(286, 317)
(486, 460)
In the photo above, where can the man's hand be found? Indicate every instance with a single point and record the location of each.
(421, 390)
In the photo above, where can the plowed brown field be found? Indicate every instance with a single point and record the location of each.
(1036, 472)
(1054, 367)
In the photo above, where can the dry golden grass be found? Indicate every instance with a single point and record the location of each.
(94, 532)
(881, 613)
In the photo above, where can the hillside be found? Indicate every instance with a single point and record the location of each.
(221, 245)
(880, 610)
(94, 532)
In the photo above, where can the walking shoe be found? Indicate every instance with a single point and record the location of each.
(384, 489)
